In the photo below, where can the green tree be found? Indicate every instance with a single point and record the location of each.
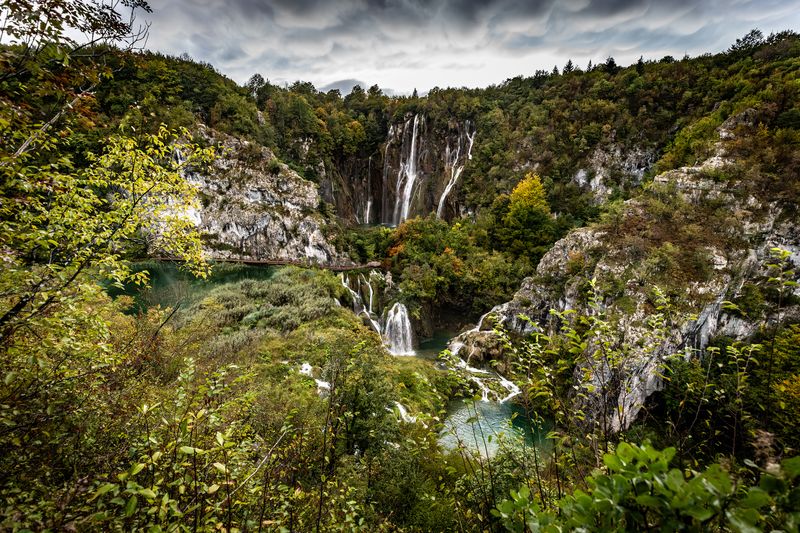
(527, 228)
(67, 221)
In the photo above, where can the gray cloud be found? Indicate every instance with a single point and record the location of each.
(343, 86)
(403, 44)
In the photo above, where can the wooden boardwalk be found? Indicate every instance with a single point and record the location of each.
(336, 267)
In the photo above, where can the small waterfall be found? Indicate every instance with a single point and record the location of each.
(404, 416)
(178, 156)
(368, 204)
(358, 302)
(483, 377)
(452, 163)
(397, 333)
(360, 286)
(307, 370)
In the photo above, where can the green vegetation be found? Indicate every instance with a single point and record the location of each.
(247, 399)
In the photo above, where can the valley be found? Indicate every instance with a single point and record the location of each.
(568, 301)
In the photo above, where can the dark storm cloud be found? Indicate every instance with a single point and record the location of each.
(425, 43)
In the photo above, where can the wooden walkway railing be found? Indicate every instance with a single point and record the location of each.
(336, 267)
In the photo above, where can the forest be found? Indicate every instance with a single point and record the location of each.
(589, 319)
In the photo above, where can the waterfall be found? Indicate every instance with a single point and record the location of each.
(453, 164)
(404, 416)
(397, 332)
(178, 156)
(482, 378)
(358, 302)
(363, 280)
(307, 370)
(368, 206)
(356, 289)
(385, 182)
(407, 177)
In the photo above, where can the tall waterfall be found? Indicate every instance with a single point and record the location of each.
(385, 181)
(397, 333)
(455, 164)
(407, 178)
(368, 206)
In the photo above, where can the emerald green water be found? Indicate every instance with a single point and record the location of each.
(430, 348)
(486, 426)
(478, 425)
(170, 285)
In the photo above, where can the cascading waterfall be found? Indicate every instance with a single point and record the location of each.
(452, 163)
(407, 177)
(397, 333)
(483, 376)
(404, 416)
(363, 291)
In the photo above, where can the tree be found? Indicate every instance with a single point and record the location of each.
(529, 195)
(68, 218)
(569, 67)
(640, 66)
(610, 66)
(59, 221)
(748, 43)
(255, 83)
(526, 227)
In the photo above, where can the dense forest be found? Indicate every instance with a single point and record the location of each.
(568, 301)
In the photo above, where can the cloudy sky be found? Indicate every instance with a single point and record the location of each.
(407, 44)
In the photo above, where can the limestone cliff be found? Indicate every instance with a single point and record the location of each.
(254, 207)
(699, 233)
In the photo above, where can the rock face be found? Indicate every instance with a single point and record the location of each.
(730, 258)
(254, 207)
(610, 167)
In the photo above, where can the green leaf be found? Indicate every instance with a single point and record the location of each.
(130, 507)
(103, 489)
(791, 467)
(649, 501)
(612, 462)
(755, 498)
(188, 450)
(213, 488)
(699, 513)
